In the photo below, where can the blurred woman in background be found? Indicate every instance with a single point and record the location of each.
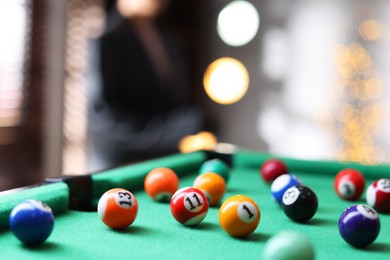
(139, 102)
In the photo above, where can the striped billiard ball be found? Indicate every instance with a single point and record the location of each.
(189, 206)
(118, 208)
(378, 195)
(281, 184)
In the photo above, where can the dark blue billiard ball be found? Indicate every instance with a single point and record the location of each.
(299, 203)
(31, 222)
(281, 184)
(359, 225)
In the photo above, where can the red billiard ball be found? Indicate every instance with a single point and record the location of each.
(161, 183)
(271, 169)
(189, 206)
(378, 195)
(118, 208)
(212, 185)
(349, 184)
(239, 216)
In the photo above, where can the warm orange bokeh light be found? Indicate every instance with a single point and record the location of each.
(201, 141)
(226, 81)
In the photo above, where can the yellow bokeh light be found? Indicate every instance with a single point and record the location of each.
(373, 88)
(371, 30)
(202, 141)
(226, 81)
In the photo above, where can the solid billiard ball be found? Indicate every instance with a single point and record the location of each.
(349, 184)
(359, 225)
(271, 169)
(31, 222)
(216, 165)
(239, 216)
(299, 203)
(281, 184)
(118, 208)
(212, 185)
(189, 206)
(161, 183)
(378, 195)
(287, 245)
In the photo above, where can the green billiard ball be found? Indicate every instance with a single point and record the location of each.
(288, 245)
(216, 166)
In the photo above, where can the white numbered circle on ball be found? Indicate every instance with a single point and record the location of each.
(193, 202)
(384, 185)
(367, 211)
(124, 199)
(346, 188)
(247, 212)
(40, 205)
(290, 196)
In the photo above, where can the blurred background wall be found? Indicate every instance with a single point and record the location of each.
(305, 79)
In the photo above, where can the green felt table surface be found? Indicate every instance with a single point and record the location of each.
(156, 235)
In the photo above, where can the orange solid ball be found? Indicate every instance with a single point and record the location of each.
(212, 185)
(161, 183)
(118, 208)
(239, 216)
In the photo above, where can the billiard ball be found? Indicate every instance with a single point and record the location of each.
(281, 184)
(118, 208)
(271, 169)
(189, 206)
(359, 225)
(161, 183)
(349, 184)
(31, 222)
(378, 195)
(287, 245)
(299, 203)
(217, 166)
(212, 185)
(239, 216)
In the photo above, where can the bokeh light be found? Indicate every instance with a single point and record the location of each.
(226, 80)
(371, 30)
(359, 114)
(238, 23)
(202, 141)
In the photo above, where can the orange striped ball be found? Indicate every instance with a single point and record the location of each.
(118, 208)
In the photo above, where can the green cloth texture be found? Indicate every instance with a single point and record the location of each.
(155, 234)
